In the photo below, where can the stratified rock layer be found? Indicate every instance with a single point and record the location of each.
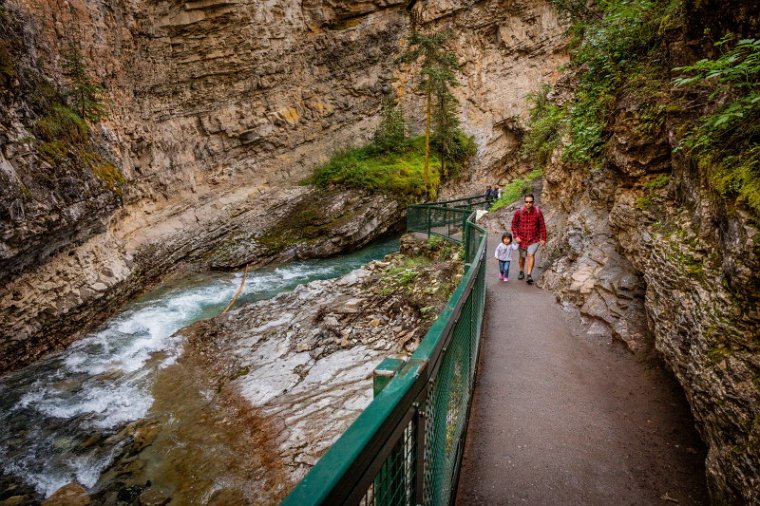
(216, 110)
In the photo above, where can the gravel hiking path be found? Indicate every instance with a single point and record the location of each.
(560, 418)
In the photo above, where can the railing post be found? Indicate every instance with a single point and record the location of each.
(384, 373)
(466, 240)
(419, 487)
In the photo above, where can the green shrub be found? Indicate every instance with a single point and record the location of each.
(658, 182)
(515, 190)
(61, 124)
(644, 203)
(399, 173)
(406, 277)
(545, 128)
(456, 150)
(391, 132)
(7, 66)
(610, 40)
(54, 152)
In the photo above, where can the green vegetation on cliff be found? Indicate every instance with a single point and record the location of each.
(63, 141)
(620, 48)
(58, 118)
(726, 142)
(407, 167)
(398, 170)
(615, 46)
(395, 164)
(515, 190)
(85, 96)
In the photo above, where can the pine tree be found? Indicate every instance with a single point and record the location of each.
(437, 66)
(445, 137)
(391, 132)
(85, 96)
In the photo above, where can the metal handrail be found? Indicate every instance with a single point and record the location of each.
(464, 201)
(392, 452)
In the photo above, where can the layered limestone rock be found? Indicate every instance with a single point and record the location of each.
(100, 274)
(206, 123)
(216, 109)
(308, 223)
(508, 50)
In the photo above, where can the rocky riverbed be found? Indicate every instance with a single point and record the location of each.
(304, 359)
(261, 392)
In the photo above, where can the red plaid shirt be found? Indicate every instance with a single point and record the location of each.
(528, 226)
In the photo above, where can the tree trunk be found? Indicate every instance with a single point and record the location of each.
(426, 169)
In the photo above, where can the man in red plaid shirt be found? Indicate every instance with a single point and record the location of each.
(529, 231)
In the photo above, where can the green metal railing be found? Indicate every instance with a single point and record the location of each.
(445, 218)
(405, 447)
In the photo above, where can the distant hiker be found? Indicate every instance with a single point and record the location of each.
(496, 192)
(529, 230)
(488, 196)
(504, 255)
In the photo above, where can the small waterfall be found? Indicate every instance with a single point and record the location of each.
(60, 417)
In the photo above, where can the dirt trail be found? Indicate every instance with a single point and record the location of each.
(558, 418)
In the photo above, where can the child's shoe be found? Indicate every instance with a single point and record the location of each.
(505, 279)
(501, 277)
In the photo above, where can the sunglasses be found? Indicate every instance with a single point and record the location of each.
(528, 201)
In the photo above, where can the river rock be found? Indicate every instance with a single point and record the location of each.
(72, 494)
(153, 498)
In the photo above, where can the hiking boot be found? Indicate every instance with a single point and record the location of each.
(530, 279)
(521, 276)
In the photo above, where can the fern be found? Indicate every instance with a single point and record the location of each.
(726, 143)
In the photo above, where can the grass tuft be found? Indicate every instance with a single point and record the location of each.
(515, 190)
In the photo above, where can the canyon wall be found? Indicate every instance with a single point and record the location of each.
(655, 257)
(217, 110)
